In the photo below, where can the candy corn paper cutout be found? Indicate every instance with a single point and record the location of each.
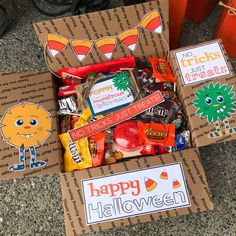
(106, 46)
(164, 175)
(81, 48)
(129, 38)
(152, 22)
(176, 184)
(150, 184)
(56, 43)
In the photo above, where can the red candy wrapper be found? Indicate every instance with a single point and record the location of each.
(161, 70)
(148, 149)
(74, 120)
(104, 67)
(156, 134)
(67, 91)
(68, 79)
(97, 148)
(161, 149)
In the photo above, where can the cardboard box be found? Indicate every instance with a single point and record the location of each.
(225, 26)
(135, 190)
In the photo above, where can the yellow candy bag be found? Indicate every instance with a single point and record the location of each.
(77, 155)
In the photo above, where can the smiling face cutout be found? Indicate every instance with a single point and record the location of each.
(215, 102)
(27, 123)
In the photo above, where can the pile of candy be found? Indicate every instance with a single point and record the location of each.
(92, 92)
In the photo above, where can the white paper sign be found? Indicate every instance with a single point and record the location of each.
(202, 63)
(135, 193)
(110, 94)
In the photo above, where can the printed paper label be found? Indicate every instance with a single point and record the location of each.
(135, 193)
(202, 63)
(111, 94)
(116, 117)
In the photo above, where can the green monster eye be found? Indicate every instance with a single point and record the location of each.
(208, 101)
(220, 99)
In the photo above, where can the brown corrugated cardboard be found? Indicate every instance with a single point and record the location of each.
(73, 201)
(200, 127)
(106, 23)
(35, 88)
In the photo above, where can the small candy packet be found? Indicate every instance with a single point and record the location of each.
(182, 141)
(162, 70)
(147, 84)
(148, 149)
(68, 79)
(96, 147)
(64, 123)
(163, 113)
(66, 91)
(154, 134)
(67, 105)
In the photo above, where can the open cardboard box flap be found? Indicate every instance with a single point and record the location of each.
(17, 88)
(75, 204)
(201, 127)
(101, 24)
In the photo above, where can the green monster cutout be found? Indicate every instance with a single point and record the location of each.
(122, 82)
(216, 103)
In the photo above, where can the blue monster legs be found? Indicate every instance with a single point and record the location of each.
(218, 132)
(33, 161)
(21, 165)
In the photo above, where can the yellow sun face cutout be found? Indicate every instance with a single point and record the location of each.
(26, 124)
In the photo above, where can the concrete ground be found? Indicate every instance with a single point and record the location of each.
(32, 206)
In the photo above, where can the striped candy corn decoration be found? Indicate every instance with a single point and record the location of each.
(176, 184)
(129, 38)
(150, 184)
(152, 22)
(106, 46)
(164, 175)
(56, 43)
(81, 48)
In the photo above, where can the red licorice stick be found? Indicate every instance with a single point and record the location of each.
(104, 67)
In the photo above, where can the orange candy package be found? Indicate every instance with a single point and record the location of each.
(156, 134)
(161, 70)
